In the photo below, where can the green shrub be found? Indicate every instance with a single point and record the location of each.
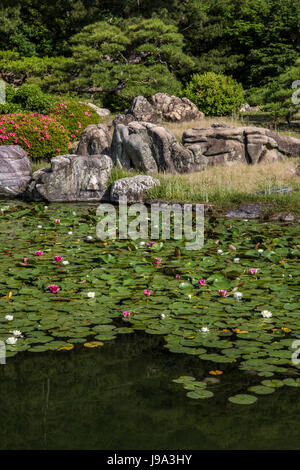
(215, 94)
(74, 116)
(42, 137)
(31, 98)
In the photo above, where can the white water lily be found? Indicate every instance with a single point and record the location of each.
(89, 237)
(46, 207)
(260, 250)
(65, 262)
(220, 251)
(238, 295)
(11, 340)
(163, 316)
(142, 243)
(9, 317)
(39, 226)
(70, 233)
(266, 314)
(16, 332)
(91, 295)
(236, 260)
(204, 329)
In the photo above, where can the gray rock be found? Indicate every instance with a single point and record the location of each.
(247, 211)
(282, 190)
(102, 112)
(71, 178)
(143, 146)
(94, 141)
(287, 145)
(134, 188)
(176, 109)
(142, 110)
(15, 170)
(287, 218)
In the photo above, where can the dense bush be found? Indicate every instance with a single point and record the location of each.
(215, 94)
(74, 116)
(40, 136)
(31, 98)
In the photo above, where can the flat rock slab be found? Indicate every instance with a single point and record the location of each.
(282, 190)
(247, 211)
(15, 170)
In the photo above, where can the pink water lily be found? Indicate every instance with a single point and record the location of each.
(126, 314)
(223, 293)
(151, 244)
(147, 292)
(57, 221)
(158, 261)
(53, 288)
(39, 253)
(177, 276)
(253, 271)
(58, 259)
(25, 260)
(201, 282)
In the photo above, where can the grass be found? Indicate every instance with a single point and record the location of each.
(229, 186)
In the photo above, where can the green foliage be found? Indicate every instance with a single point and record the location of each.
(42, 137)
(215, 94)
(74, 116)
(31, 98)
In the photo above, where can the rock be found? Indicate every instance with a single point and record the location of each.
(176, 109)
(282, 190)
(297, 171)
(142, 110)
(71, 178)
(15, 170)
(287, 145)
(102, 112)
(247, 211)
(134, 188)
(232, 145)
(219, 124)
(123, 119)
(73, 147)
(246, 108)
(287, 218)
(143, 146)
(94, 141)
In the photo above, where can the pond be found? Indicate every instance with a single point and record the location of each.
(194, 365)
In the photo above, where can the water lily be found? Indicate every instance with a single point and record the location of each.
(236, 260)
(204, 329)
(57, 221)
(70, 232)
(253, 271)
(238, 295)
(65, 262)
(201, 282)
(162, 315)
(222, 292)
(25, 260)
(91, 295)
(260, 250)
(151, 244)
(39, 253)
(158, 261)
(147, 292)
(17, 333)
(126, 314)
(58, 259)
(9, 317)
(89, 237)
(39, 226)
(266, 314)
(11, 340)
(53, 288)
(220, 251)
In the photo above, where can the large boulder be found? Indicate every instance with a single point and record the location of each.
(238, 145)
(143, 146)
(71, 178)
(94, 140)
(134, 188)
(102, 112)
(176, 109)
(15, 170)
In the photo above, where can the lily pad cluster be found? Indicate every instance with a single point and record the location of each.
(191, 296)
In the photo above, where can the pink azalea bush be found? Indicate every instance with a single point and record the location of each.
(39, 135)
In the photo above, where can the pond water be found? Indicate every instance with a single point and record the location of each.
(194, 365)
(121, 396)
